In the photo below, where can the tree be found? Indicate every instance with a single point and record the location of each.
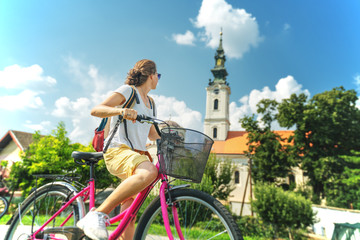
(269, 151)
(284, 210)
(342, 188)
(328, 125)
(52, 155)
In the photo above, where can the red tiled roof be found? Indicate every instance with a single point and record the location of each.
(236, 142)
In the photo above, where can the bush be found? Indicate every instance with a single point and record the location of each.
(285, 211)
(253, 227)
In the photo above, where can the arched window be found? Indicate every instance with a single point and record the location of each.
(215, 133)
(216, 104)
(237, 177)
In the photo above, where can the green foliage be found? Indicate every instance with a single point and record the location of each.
(218, 172)
(217, 178)
(52, 155)
(281, 209)
(328, 125)
(146, 203)
(342, 189)
(270, 157)
(3, 163)
(254, 227)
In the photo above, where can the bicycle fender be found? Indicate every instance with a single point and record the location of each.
(180, 186)
(79, 201)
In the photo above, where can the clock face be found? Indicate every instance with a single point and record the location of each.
(216, 91)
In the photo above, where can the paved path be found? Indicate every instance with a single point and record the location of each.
(3, 230)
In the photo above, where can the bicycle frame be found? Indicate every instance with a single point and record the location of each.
(127, 215)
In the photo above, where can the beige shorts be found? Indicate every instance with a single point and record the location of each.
(123, 161)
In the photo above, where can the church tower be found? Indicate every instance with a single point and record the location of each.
(217, 122)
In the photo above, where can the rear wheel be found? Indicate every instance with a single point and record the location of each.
(201, 217)
(4, 205)
(38, 208)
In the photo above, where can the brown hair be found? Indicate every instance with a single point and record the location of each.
(139, 74)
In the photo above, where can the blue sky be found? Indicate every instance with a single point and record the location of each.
(60, 58)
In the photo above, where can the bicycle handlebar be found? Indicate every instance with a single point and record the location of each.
(141, 117)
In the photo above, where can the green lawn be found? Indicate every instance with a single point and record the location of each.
(156, 229)
(5, 219)
(27, 221)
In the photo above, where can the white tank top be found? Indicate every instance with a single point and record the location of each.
(137, 132)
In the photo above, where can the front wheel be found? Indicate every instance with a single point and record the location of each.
(38, 208)
(4, 205)
(200, 215)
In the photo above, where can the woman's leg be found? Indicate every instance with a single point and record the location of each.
(143, 176)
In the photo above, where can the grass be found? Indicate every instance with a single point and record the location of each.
(28, 221)
(156, 229)
(5, 219)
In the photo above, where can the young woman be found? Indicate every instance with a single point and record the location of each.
(133, 166)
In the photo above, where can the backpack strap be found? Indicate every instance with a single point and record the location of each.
(128, 104)
(152, 105)
(132, 98)
(112, 134)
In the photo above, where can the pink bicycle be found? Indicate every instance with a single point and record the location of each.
(51, 212)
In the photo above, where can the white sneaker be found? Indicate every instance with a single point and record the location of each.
(94, 225)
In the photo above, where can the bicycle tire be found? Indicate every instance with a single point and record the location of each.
(38, 208)
(201, 217)
(4, 206)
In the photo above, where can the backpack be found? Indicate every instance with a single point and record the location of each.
(102, 132)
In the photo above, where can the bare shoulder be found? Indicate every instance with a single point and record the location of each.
(115, 99)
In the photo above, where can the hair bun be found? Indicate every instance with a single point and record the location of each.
(140, 73)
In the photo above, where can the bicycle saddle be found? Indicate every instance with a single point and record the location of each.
(87, 157)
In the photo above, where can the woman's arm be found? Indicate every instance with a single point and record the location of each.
(153, 135)
(107, 108)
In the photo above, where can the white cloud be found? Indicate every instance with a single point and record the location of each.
(241, 30)
(25, 99)
(357, 81)
(96, 88)
(286, 27)
(184, 39)
(23, 80)
(178, 111)
(283, 89)
(78, 112)
(67, 108)
(43, 126)
(17, 77)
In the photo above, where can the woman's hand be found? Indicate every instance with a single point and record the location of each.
(129, 114)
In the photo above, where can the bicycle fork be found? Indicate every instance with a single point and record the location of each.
(164, 211)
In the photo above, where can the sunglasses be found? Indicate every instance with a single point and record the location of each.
(159, 76)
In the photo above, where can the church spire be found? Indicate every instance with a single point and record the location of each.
(219, 71)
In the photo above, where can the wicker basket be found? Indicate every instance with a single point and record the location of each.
(184, 153)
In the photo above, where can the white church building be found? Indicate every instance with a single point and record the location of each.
(231, 144)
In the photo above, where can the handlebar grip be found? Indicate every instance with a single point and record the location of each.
(142, 117)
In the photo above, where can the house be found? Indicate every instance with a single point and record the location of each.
(11, 145)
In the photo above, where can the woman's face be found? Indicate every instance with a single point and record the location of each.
(155, 80)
